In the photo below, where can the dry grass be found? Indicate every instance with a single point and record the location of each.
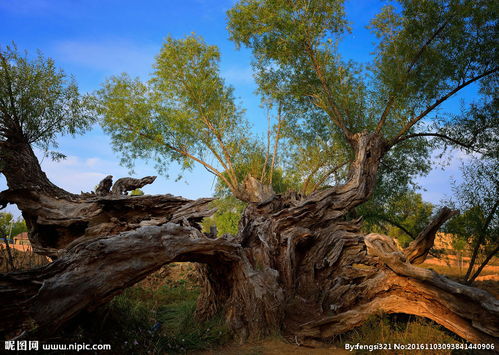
(168, 296)
(488, 280)
(398, 329)
(22, 260)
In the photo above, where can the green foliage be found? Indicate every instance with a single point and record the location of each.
(402, 216)
(38, 101)
(278, 29)
(173, 306)
(227, 216)
(7, 222)
(417, 65)
(254, 163)
(477, 126)
(299, 70)
(136, 192)
(426, 51)
(151, 320)
(294, 44)
(428, 48)
(184, 113)
(466, 225)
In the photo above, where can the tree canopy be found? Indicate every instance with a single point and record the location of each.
(427, 51)
(38, 101)
(185, 113)
(331, 121)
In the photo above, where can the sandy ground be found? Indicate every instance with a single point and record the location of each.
(489, 273)
(272, 347)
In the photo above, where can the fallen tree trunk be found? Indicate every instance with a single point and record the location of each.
(90, 273)
(56, 223)
(299, 265)
(354, 278)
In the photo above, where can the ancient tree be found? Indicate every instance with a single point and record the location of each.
(299, 263)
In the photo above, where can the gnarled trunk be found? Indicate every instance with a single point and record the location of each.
(312, 274)
(298, 265)
(22, 170)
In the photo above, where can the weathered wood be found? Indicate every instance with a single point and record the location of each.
(252, 190)
(90, 273)
(469, 312)
(22, 171)
(418, 249)
(124, 185)
(324, 279)
(56, 223)
(298, 265)
(104, 187)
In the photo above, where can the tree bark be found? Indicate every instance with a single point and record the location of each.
(57, 219)
(93, 271)
(10, 261)
(299, 265)
(478, 244)
(22, 170)
(482, 265)
(419, 248)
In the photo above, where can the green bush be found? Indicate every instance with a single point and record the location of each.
(163, 320)
(143, 320)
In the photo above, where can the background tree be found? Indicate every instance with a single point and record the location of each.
(403, 216)
(8, 229)
(227, 216)
(476, 131)
(37, 103)
(9, 226)
(478, 198)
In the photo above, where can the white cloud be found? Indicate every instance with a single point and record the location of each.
(68, 161)
(92, 162)
(76, 174)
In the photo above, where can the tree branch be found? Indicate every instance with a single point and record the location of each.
(4, 201)
(484, 263)
(430, 108)
(309, 178)
(326, 175)
(480, 240)
(186, 154)
(469, 312)
(392, 222)
(9, 86)
(335, 115)
(228, 163)
(438, 135)
(276, 144)
(418, 249)
(267, 151)
(391, 100)
(94, 271)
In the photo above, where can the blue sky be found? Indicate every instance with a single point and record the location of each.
(94, 39)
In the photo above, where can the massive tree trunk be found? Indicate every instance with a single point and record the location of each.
(299, 264)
